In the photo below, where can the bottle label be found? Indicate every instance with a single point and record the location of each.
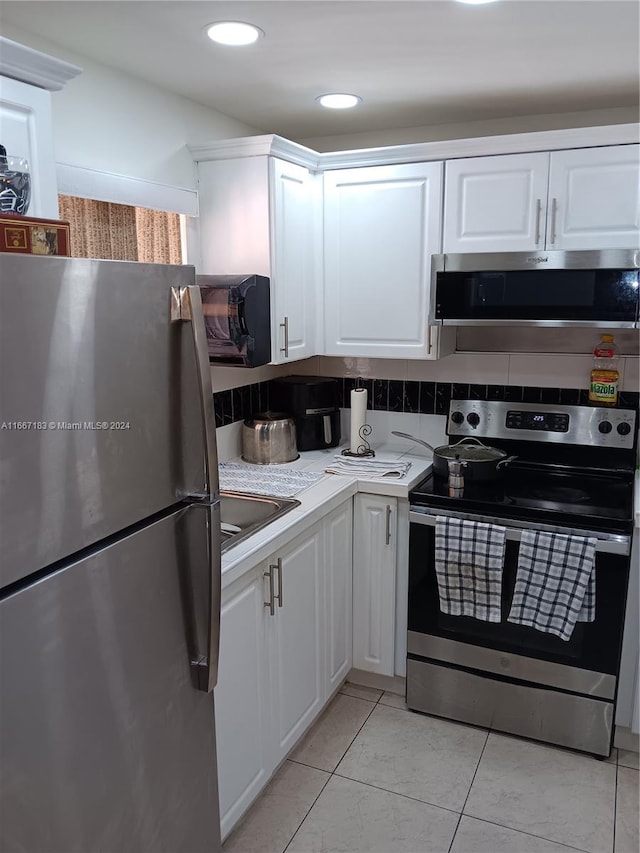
(603, 352)
(604, 387)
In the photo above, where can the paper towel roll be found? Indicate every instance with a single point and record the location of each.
(358, 418)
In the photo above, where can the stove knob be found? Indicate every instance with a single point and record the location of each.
(457, 417)
(473, 419)
(624, 429)
(605, 427)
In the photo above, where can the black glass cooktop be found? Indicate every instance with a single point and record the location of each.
(599, 502)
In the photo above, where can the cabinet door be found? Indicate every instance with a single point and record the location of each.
(293, 260)
(25, 118)
(374, 583)
(338, 596)
(594, 198)
(296, 639)
(242, 700)
(495, 204)
(381, 225)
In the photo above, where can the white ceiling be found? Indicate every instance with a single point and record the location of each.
(416, 63)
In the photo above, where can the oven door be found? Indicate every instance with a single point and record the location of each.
(511, 663)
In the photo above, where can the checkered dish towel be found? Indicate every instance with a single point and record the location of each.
(555, 582)
(469, 563)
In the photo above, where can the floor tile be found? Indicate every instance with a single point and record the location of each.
(478, 836)
(627, 811)
(360, 692)
(328, 740)
(273, 819)
(548, 792)
(429, 759)
(349, 817)
(393, 700)
(613, 758)
(628, 758)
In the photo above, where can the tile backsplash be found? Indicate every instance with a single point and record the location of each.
(408, 396)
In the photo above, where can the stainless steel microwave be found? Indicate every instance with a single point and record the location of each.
(589, 288)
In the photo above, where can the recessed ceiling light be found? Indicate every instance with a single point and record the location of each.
(476, 2)
(337, 101)
(234, 33)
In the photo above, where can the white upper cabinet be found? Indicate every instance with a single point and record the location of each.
(495, 204)
(25, 120)
(381, 225)
(257, 215)
(575, 199)
(26, 128)
(594, 198)
(293, 259)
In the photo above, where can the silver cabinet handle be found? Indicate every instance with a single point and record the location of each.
(285, 348)
(388, 531)
(186, 307)
(278, 568)
(271, 604)
(538, 214)
(554, 213)
(206, 666)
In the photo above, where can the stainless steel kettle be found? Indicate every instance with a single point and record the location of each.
(269, 438)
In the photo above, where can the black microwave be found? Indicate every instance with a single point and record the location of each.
(237, 318)
(588, 288)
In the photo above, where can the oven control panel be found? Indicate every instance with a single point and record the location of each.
(582, 425)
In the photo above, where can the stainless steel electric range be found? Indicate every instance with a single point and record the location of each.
(573, 474)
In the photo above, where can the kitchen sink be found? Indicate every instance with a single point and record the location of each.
(242, 515)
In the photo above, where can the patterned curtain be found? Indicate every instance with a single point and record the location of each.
(158, 236)
(100, 229)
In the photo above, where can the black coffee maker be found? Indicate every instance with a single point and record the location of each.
(314, 403)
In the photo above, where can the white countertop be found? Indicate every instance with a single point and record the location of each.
(319, 499)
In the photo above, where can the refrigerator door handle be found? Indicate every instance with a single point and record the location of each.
(206, 666)
(186, 306)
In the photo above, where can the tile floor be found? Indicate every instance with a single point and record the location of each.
(373, 776)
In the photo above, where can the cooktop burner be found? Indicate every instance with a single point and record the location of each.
(575, 499)
(573, 465)
(560, 494)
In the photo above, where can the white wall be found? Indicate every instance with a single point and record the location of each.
(468, 130)
(109, 121)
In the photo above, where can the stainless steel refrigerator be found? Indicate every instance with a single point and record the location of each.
(109, 560)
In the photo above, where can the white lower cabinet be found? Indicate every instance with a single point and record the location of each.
(242, 698)
(374, 583)
(296, 641)
(338, 595)
(285, 646)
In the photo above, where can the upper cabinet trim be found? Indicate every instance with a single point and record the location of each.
(30, 66)
(513, 143)
(255, 146)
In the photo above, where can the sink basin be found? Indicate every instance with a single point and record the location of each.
(243, 515)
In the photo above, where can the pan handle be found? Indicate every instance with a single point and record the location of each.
(412, 438)
(505, 461)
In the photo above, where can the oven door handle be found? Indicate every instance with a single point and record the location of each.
(613, 544)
